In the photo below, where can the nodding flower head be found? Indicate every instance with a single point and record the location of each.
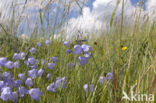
(32, 50)
(47, 42)
(67, 43)
(77, 49)
(35, 93)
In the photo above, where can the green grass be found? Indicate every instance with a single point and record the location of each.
(135, 63)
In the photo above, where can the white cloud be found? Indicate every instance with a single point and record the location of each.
(98, 19)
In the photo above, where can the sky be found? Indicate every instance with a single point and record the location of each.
(95, 14)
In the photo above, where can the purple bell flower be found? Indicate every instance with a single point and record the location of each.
(32, 61)
(86, 48)
(16, 64)
(6, 94)
(109, 76)
(16, 56)
(49, 75)
(39, 44)
(51, 65)
(22, 76)
(77, 49)
(83, 60)
(32, 73)
(29, 82)
(35, 93)
(52, 87)
(68, 51)
(9, 64)
(22, 91)
(22, 55)
(40, 72)
(54, 59)
(32, 50)
(47, 42)
(3, 61)
(67, 43)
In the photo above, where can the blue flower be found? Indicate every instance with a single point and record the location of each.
(6, 76)
(51, 65)
(40, 72)
(35, 93)
(52, 87)
(47, 42)
(6, 94)
(101, 80)
(16, 56)
(88, 55)
(77, 49)
(67, 43)
(32, 73)
(61, 82)
(16, 64)
(2, 84)
(49, 75)
(9, 64)
(68, 51)
(109, 76)
(83, 60)
(22, 55)
(39, 44)
(15, 96)
(17, 83)
(22, 91)
(3, 61)
(32, 61)
(54, 59)
(86, 88)
(32, 50)
(22, 76)
(70, 65)
(86, 48)
(29, 82)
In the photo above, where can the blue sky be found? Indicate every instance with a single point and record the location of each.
(134, 2)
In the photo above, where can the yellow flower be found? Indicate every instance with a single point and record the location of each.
(136, 81)
(124, 48)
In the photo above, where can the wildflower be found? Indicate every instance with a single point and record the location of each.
(54, 59)
(77, 49)
(32, 61)
(49, 75)
(39, 44)
(86, 48)
(51, 65)
(109, 76)
(88, 55)
(6, 76)
(6, 94)
(22, 55)
(17, 83)
(52, 87)
(16, 64)
(15, 96)
(2, 84)
(83, 60)
(68, 51)
(124, 48)
(29, 82)
(9, 64)
(101, 80)
(22, 76)
(70, 65)
(22, 91)
(61, 82)
(32, 50)
(86, 88)
(32, 73)
(3, 60)
(40, 72)
(67, 43)
(35, 93)
(47, 42)
(16, 56)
